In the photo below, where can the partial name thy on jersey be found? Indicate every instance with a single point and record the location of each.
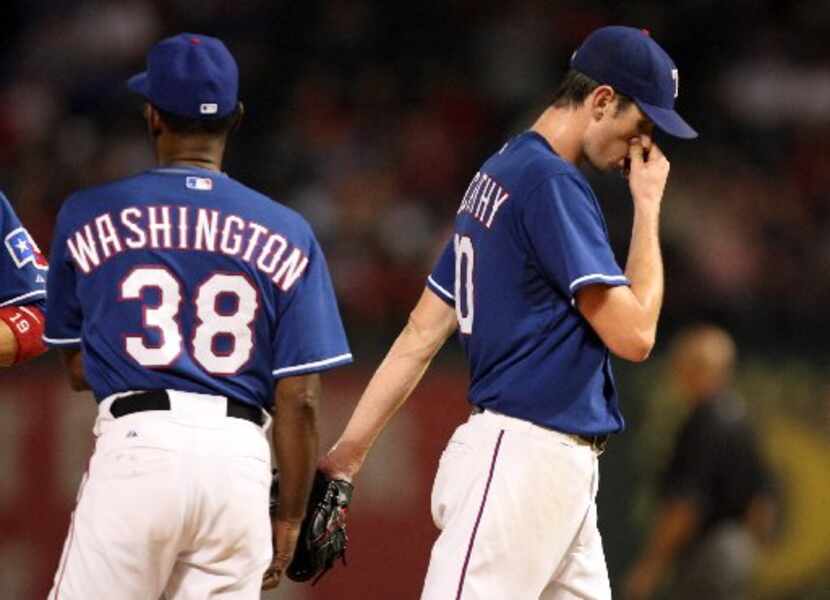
(483, 198)
(186, 228)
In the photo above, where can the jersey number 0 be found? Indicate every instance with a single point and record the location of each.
(464, 257)
(163, 317)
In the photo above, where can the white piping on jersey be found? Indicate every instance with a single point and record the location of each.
(440, 289)
(58, 341)
(598, 277)
(23, 296)
(311, 365)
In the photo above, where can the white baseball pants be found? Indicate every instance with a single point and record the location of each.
(516, 506)
(175, 503)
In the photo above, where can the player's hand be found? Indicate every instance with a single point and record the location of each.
(343, 461)
(284, 538)
(649, 170)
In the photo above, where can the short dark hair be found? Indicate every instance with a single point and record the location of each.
(575, 87)
(189, 126)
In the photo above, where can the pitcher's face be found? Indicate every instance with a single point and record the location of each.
(607, 140)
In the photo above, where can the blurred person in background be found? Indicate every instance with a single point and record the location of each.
(716, 504)
(22, 291)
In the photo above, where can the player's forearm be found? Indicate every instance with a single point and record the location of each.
(429, 326)
(8, 346)
(644, 269)
(74, 366)
(388, 390)
(296, 441)
(21, 334)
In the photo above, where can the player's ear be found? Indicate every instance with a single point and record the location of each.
(600, 101)
(154, 121)
(240, 113)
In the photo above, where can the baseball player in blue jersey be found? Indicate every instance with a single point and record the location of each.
(530, 283)
(191, 306)
(22, 291)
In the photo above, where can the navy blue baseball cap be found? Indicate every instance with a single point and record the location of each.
(190, 75)
(631, 62)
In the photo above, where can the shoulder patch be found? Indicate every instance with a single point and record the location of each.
(23, 250)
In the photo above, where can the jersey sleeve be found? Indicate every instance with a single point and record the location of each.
(23, 269)
(309, 335)
(63, 309)
(442, 279)
(568, 236)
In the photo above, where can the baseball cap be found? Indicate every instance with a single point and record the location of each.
(631, 62)
(190, 75)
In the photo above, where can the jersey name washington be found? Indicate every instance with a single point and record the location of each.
(186, 228)
(483, 198)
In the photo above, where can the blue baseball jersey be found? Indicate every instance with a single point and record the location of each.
(529, 233)
(183, 278)
(23, 268)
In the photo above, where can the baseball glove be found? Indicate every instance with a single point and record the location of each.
(323, 532)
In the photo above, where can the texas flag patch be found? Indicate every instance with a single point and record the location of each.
(23, 250)
(202, 184)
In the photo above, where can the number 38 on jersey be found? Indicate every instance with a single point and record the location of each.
(163, 317)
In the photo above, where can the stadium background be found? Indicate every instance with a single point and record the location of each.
(369, 118)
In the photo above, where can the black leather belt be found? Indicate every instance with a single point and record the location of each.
(597, 442)
(160, 400)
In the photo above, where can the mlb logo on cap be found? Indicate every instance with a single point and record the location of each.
(190, 75)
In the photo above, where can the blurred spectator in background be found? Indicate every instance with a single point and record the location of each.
(716, 503)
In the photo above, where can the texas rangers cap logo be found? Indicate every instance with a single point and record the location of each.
(23, 250)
